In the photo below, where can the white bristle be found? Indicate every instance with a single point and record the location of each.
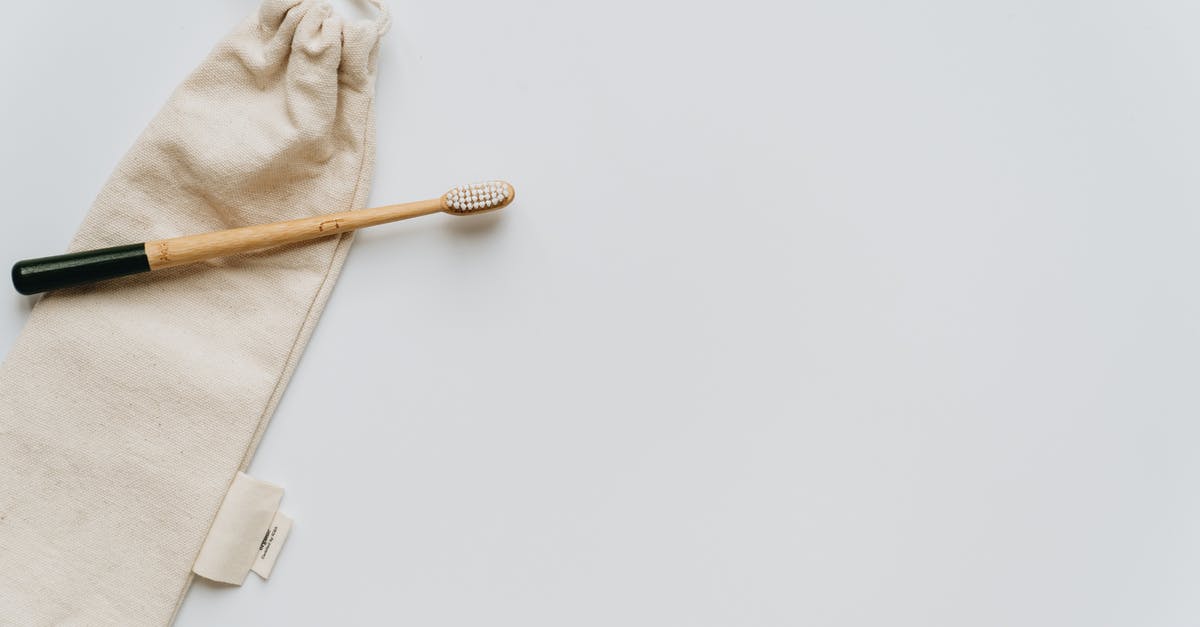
(478, 196)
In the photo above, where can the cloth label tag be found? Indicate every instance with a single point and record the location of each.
(271, 545)
(247, 533)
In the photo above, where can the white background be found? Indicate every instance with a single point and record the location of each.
(832, 312)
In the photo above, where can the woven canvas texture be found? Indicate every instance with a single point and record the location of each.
(127, 407)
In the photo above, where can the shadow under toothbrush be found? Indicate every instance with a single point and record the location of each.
(477, 226)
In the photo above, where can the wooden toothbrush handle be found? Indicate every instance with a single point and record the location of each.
(177, 251)
(31, 276)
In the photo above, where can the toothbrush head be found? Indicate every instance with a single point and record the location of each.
(478, 198)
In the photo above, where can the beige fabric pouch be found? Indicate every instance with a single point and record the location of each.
(128, 407)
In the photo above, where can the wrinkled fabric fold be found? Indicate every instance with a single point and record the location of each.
(127, 407)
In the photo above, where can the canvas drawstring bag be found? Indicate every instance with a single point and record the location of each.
(128, 407)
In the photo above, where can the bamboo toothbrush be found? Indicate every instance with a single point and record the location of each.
(32, 276)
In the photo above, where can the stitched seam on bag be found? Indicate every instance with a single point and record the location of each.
(276, 392)
(281, 383)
